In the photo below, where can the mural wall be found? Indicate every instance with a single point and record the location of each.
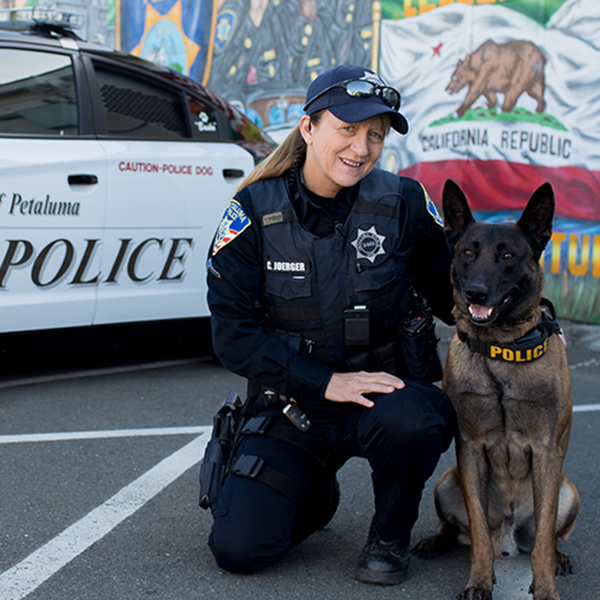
(266, 52)
(175, 33)
(500, 95)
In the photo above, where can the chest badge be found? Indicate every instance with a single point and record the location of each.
(369, 244)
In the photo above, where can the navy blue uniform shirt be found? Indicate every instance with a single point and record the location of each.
(235, 280)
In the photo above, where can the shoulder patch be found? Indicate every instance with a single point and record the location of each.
(234, 221)
(431, 209)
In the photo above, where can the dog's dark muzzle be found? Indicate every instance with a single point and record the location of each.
(477, 294)
(482, 309)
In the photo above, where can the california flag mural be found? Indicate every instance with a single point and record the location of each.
(501, 103)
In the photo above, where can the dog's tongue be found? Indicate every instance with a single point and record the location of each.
(480, 312)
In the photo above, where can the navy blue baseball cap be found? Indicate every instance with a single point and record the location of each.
(353, 94)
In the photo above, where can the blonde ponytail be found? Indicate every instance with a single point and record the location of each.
(281, 160)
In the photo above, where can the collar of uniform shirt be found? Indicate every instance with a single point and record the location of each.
(320, 214)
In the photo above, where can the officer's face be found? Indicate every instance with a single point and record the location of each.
(339, 154)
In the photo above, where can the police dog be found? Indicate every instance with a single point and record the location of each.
(509, 381)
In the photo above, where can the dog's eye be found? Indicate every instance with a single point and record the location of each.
(507, 256)
(468, 252)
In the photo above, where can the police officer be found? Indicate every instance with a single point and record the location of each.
(312, 277)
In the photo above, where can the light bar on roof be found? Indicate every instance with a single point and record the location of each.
(40, 14)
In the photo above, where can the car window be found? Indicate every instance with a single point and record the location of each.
(136, 108)
(243, 129)
(37, 93)
(205, 123)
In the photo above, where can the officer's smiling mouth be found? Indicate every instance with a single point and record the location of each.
(351, 163)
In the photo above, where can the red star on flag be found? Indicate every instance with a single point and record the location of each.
(437, 50)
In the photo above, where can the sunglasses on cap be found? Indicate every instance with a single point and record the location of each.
(361, 88)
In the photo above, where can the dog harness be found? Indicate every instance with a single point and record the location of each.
(530, 347)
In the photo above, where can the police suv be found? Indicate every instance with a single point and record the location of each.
(114, 173)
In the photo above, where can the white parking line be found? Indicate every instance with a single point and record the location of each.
(586, 407)
(22, 579)
(89, 435)
(158, 431)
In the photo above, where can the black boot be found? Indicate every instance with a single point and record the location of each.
(383, 563)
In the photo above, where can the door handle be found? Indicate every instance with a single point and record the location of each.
(82, 179)
(233, 173)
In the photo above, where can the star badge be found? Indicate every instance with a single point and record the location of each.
(368, 244)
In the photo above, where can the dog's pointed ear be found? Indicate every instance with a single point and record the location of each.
(457, 214)
(537, 216)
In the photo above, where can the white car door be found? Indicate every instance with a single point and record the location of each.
(52, 192)
(166, 194)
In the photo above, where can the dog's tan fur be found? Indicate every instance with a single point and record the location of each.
(508, 491)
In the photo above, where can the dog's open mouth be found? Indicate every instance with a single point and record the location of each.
(486, 314)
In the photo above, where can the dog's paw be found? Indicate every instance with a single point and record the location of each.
(564, 566)
(537, 595)
(428, 547)
(434, 545)
(475, 593)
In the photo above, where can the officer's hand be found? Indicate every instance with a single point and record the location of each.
(350, 387)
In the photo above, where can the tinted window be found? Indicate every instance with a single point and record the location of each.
(243, 129)
(138, 109)
(205, 125)
(37, 93)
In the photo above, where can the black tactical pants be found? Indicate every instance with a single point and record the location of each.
(402, 437)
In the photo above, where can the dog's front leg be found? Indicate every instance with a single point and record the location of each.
(472, 468)
(547, 478)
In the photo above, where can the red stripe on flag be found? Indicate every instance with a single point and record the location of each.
(497, 185)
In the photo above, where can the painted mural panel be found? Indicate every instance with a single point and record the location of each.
(502, 96)
(267, 52)
(174, 33)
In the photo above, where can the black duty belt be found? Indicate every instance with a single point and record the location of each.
(530, 347)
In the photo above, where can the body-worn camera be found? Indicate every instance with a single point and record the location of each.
(356, 326)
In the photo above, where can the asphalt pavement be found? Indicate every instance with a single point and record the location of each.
(99, 458)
